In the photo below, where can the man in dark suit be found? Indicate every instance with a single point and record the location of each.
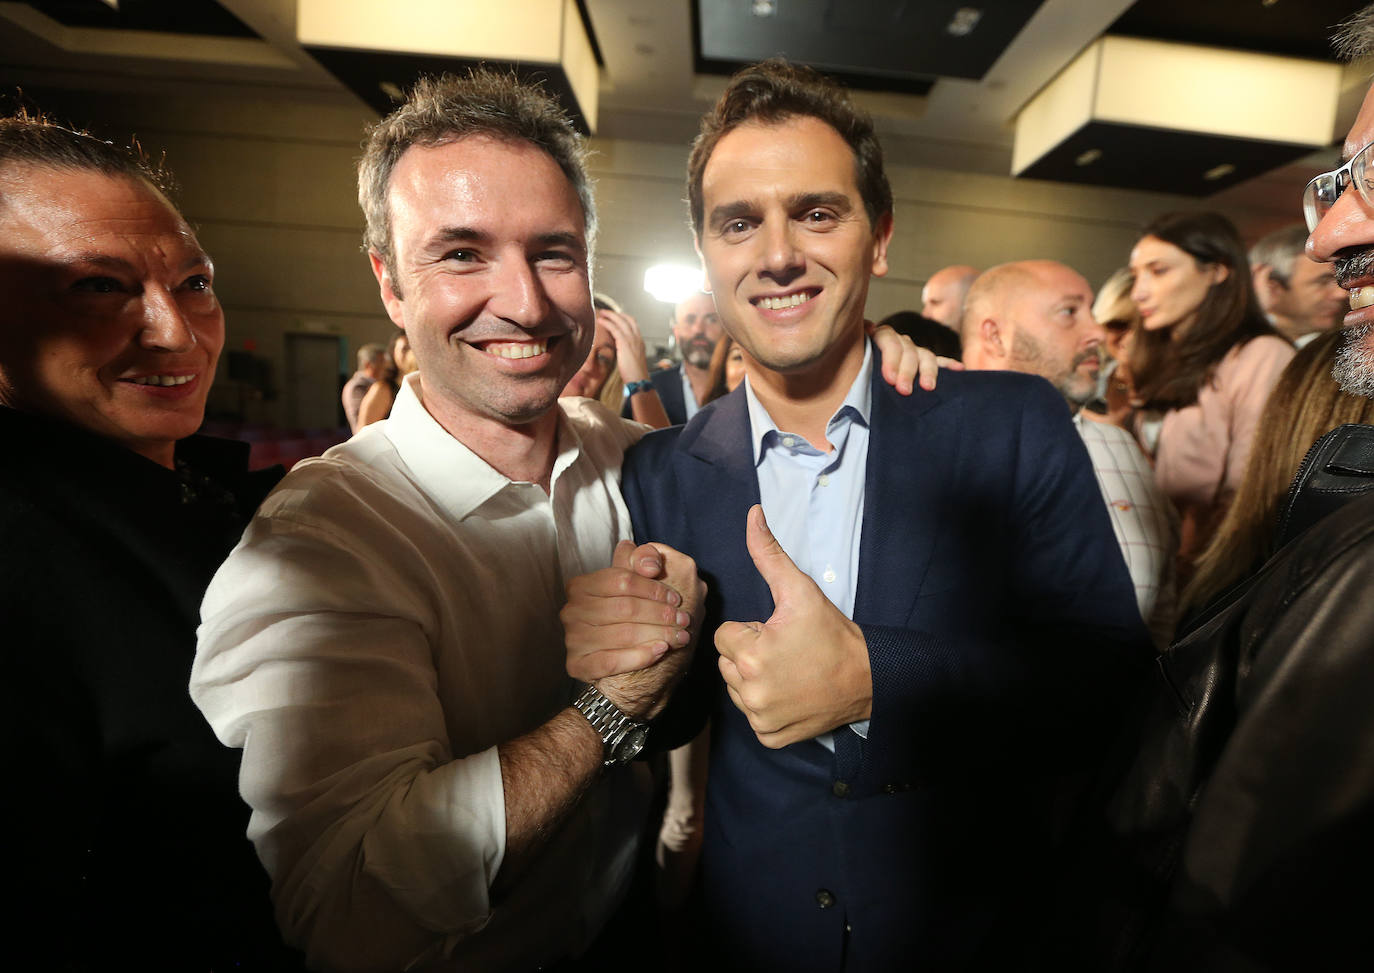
(685, 387)
(950, 628)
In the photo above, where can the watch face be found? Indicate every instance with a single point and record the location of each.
(631, 744)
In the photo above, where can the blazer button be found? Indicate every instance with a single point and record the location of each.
(825, 898)
(839, 788)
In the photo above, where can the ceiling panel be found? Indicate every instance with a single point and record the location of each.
(202, 17)
(892, 45)
(1299, 28)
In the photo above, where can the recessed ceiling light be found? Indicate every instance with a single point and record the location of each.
(1219, 172)
(392, 90)
(764, 8)
(963, 21)
(1088, 158)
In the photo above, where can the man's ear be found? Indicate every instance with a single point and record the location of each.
(395, 306)
(882, 236)
(990, 339)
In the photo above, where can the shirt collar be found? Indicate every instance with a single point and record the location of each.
(454, 475)
(858, 403)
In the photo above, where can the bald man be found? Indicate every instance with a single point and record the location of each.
(1036, 317)
(943, 296)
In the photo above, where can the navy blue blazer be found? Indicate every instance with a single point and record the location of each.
(1004, 641)
(668, 385)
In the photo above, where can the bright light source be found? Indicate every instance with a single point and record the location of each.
(963, 21)
(671, 283)
(392, 90)
(764, 8)
(1088, 158)
(1219, 172)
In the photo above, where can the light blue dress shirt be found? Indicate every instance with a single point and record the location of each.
(814, 501)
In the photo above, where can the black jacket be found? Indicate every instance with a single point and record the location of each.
(1247, 820)
(128, 844)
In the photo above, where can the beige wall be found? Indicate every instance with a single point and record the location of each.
(268, 180)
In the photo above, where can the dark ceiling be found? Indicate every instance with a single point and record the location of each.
(1299, 28)
(890, 45)
(177, 17)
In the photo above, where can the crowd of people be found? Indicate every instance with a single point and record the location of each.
(814, 651)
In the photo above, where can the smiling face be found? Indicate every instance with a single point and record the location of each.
(788, 247)
(110, 321)
(1170, 285)
(492, 284)
(1345, 237)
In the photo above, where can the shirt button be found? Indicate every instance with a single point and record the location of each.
(789, 441)
(829, 576)
(839, 788)
(823, 479)
(825, 898)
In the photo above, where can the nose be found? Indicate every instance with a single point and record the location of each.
(165, 326)
(1347, 223)
(1139, 292)
(517, 294)
(782, 260)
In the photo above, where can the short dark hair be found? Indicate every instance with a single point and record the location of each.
(32, 138)
(440, 110)
(773, 91)
(927, 333)
(1168, 373)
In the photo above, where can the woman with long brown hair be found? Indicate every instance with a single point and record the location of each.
(1305, 405)
(1202, 359)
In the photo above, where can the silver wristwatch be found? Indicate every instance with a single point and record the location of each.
(621, 737)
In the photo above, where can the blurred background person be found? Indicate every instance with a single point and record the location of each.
(616, 371)
(1299, 296)
(684, 388)
(372, 367)
(381, 395)
(1305, 405)
(727, 367)
(1202, 360)
(1035, 317)
(130, 847)
(1116, 312)
(942, 297)
(927, 333)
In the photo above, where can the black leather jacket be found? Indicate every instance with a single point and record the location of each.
(1247, 817)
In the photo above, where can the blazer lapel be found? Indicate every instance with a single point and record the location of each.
(718, 451)
(911, 452)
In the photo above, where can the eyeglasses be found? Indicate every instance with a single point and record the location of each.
(1322, 192)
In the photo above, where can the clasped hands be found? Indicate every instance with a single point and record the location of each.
(801, 673)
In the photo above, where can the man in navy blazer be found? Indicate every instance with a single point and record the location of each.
(899, 750)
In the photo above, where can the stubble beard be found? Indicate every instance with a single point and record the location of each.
(1354, 367)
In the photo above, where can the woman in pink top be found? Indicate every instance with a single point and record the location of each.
(1203, 360)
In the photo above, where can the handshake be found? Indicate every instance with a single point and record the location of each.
(632, 629)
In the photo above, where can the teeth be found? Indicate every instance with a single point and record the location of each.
(778, 303)
(516, 349)
(1361, 297)
(163, 380)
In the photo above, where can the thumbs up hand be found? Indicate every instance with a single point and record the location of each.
(804, 671)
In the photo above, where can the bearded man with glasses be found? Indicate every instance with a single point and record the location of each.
(1247, 819)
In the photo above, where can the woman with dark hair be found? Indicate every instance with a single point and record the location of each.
(1203, 359)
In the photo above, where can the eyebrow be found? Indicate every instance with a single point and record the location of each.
(798, 201)
(468, 234)
(109, 262)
